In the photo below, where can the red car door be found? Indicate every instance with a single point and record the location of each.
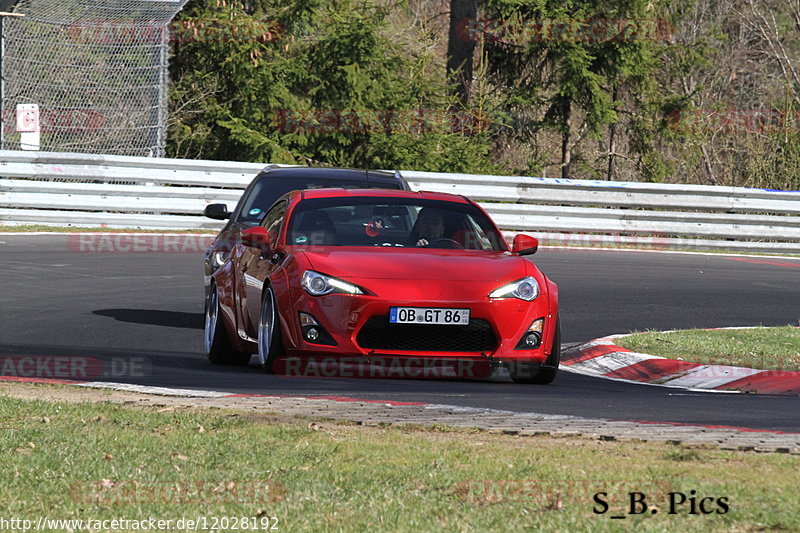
(256, 264)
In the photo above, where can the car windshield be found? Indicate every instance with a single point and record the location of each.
(268, 189)
(392, 222)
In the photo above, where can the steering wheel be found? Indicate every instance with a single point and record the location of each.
(445, 240)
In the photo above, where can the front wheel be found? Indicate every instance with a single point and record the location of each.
(215, 338)
(522, 372)
(270, 345)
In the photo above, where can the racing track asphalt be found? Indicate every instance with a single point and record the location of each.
(58, 302)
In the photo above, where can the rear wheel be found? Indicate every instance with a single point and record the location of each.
(215, 338)
(270, 344)
(539, 374)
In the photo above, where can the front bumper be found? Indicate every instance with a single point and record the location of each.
(360, 328)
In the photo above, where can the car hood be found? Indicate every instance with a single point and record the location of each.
(419, 264)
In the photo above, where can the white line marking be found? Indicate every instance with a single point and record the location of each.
(629, 382)
(581, 347)
(712, 376)
(611, 362)
(161, 391)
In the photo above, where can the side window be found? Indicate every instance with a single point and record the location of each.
(475, 237)
(273, 221)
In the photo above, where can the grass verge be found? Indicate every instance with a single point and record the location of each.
(106, 461)
(764, 348)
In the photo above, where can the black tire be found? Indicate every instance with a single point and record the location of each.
(270, 341)
(218, 349)
(522, 372)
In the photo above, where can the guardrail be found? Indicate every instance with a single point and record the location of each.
(67, 189)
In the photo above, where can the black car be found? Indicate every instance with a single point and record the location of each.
(272, 183)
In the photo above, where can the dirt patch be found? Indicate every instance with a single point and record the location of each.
(65, 393)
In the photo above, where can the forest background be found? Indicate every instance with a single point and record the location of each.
(678, 91)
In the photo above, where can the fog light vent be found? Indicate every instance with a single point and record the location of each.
(532, 338)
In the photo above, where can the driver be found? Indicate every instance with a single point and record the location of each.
(318, 229)
(429, 227)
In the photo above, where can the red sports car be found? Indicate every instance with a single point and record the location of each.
(382, 275)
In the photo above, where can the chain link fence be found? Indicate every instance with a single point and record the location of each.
(97, 69)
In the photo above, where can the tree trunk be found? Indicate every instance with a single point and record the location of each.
(566, 153)
(461, 45)
(612, 142)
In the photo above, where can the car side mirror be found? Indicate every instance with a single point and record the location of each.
(256, 237)
(217, 211)
(525, 245)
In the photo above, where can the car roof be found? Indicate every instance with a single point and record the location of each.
(332, 174)
(381, 193)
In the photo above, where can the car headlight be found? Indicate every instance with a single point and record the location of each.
(526, 289)
(218, 259)
(317, 284)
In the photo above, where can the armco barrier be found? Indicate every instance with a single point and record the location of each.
(68, 189)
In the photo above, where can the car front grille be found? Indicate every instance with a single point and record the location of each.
(377, 333)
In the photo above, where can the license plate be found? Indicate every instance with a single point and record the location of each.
(429, 315)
